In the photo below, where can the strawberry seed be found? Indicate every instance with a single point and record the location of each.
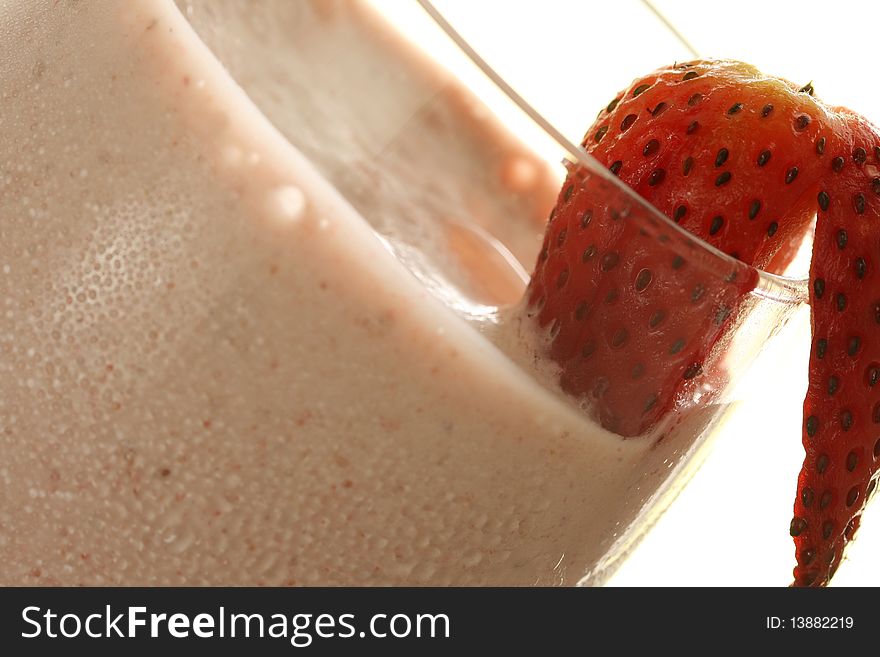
(644, 279)
(807, 497)
(656, 177)
(661, 107)
(693, 370)
(852, 460)
(721, 314)
(833, 384)
(686, 167)
(754, 209)
(827, 528)
(589, 252)
(562, 280)
(619, 338)
(610, 260)
(855, 342)
(852, 496)
(723, 179)
(861, 268)
(851, 526)
(859, 203)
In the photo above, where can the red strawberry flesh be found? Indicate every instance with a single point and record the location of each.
(841, 432)
(635, 319)
(633, 325)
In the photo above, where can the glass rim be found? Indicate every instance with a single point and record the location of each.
(776, 287)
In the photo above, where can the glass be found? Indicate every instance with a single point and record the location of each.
(466, 164)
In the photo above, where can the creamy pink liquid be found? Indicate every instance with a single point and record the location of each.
(213, 372)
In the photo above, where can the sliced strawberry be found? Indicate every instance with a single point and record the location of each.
(631, 324)
(634, 317)
(701, 142)
(841, 432)
(637, 326)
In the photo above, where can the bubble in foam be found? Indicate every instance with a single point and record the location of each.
(231, 156)
(287, 204)
(519, 173)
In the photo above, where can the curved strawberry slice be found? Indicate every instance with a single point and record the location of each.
(841, 431)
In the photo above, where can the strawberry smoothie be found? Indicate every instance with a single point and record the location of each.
(213, 372)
